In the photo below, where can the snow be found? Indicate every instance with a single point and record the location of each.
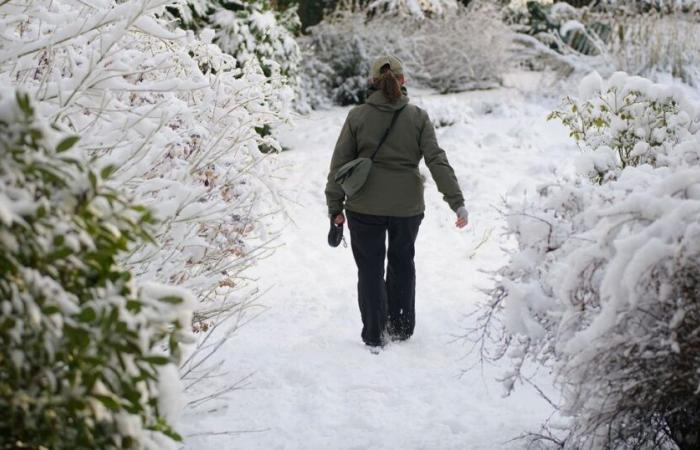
(313, 383)
(571, 25)
(610, 248)
(590, 85)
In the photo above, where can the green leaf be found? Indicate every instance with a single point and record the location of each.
(93, 180)
(80, 337)
(51, 309)
(24, 104)
(87, 315)
(109, 402)
(133, 305)
(172, 299)
(107, 171)
(59, 254)
(66, 143)
(162, 426)
(157, 360)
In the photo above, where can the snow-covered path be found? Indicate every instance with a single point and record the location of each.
(314, 384)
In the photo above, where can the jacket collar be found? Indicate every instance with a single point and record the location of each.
(376, 98)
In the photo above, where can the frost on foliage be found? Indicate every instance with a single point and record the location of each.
(173, 115)
(254, 33)
(465, 49)
(461, 51)
(650, 39)
(659, 5)
(629, 121)
(416, 8)
(83, 347)
(604, 285)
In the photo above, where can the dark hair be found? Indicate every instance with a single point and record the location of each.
(388, 84)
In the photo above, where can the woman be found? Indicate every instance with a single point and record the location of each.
(391, 200)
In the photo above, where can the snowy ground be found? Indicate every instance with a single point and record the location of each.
(314, 385)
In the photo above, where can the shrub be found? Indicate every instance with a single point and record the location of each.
(655, 43)
(87, 355)
(177, 119)
(603, 287)
(465, 49)
(610, 38)
(628, 121)
(253, 32)
(339, 60)
(420, 9)
(250, 30)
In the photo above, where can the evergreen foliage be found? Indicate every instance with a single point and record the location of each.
(87, 355)
(250, 31)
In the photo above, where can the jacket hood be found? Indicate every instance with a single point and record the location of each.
(378, 100)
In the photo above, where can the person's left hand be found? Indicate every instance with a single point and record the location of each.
(462, 217)
(339, 219)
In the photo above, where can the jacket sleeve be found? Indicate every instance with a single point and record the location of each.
(440, 169)
(345, 151)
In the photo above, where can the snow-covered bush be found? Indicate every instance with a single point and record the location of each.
(445, 112)
(603, 286)
(256, 31)
(640, 6)
(87, 355)
(610, 39)
(177, 119)
(315, 83)
(627, 121)
(170, 112)
(339, 57)
(465, 49)
(418, 9)
(253, 32)
(653, 44)
(249, 30)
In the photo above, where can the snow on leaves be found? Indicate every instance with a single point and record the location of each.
(169, 121)
(172, 114)
(85, 348)
(603, 287)
(628, 121)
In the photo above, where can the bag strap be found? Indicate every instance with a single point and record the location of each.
(388, 130)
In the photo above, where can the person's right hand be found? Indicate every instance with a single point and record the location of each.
(462, 217)
(339, 219)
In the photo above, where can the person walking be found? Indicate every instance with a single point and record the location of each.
(390, 200)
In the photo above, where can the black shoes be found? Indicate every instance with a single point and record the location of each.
(399, 337)
(335, 234)
(396, 333)
(387, 336)
(375, 347)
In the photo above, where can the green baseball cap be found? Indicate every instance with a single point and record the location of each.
(394, 64)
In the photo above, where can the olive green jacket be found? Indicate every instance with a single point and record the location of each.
(394, 186)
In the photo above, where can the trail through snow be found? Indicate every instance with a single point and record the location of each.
(314, 385)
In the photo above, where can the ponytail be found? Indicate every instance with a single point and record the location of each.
(388, 84)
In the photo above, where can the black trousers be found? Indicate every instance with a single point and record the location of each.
(385, 304)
